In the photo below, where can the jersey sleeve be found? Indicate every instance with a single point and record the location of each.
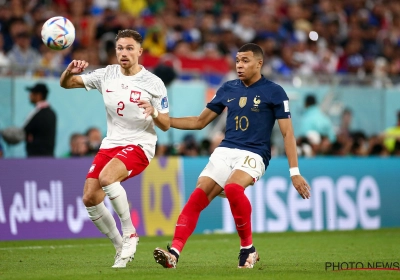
(92, 80)
(280, 102)
(216, 104)
(160, 98)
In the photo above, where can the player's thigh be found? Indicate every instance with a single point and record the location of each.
(217, 168)
(240, 177)
(248, 168)
(128, 162)
(114, 171)
(93, 194)
(209, 186)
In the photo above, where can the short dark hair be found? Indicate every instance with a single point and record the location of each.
(250, 47)
(129, 33)
(347, 111)
(310, 100)
(90, 130)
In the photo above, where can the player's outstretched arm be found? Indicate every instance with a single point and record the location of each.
(298, 181)
(69, 79)
(160, 119)
(194, 123)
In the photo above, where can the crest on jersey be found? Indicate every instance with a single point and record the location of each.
(242, 102)
(256, 101)
(135, 96)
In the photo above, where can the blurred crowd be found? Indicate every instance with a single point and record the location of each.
(299, 37)
(85, 144)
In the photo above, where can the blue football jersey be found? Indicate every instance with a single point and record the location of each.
(252, 112)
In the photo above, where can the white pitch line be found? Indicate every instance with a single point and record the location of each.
(50, 247)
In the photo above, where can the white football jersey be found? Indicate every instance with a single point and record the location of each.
(126, 123)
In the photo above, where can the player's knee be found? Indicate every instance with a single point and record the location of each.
(105, 180)
(109, 176)
(93, 197)
(88, 199)
(232, 189)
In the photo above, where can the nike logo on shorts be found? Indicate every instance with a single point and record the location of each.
(229, 100)
(109, 90)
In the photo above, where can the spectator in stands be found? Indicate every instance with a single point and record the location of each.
(304, 148)
(84, 23)
(325, 146)
(189, 146)
(22, 56)
(359, 144)
(344, 133)
(396, 151)
(165, 150)
(50, 62)
(204, 147)
(314, 138)
(190, 32)
(4, 61)
(155, 41)
(351, 60)
(376, 147)
(392, 134)
(314, 119)
(78, 145)
(94, 138)
(40, 126)
(244, 28)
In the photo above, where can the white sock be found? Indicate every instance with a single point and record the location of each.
(105, 222)
(176, 251)
(246, 247)
(117, 195)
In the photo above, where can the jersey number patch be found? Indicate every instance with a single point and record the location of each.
(121, 106)
(242, 123)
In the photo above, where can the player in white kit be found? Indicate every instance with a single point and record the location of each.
(135, 100)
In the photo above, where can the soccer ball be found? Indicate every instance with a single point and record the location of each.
(58, 33)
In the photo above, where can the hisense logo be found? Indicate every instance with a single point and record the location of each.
(340, 266)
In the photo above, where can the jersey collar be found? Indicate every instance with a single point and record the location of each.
(255, 84)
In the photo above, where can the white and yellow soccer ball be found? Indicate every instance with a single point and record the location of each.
(58, 33)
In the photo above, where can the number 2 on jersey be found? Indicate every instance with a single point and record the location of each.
(121, 106)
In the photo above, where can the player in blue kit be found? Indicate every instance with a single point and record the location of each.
(254, 104)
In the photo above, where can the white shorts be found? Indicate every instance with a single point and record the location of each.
(224, 160)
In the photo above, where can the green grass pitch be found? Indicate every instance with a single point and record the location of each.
(287, 255)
